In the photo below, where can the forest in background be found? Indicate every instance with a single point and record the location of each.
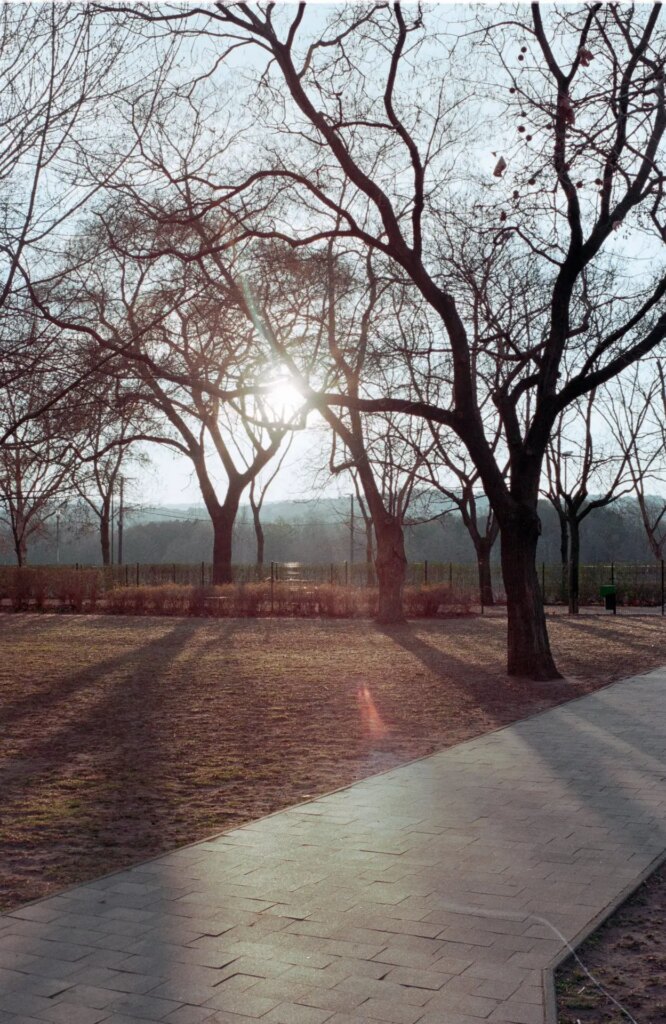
(319, 532)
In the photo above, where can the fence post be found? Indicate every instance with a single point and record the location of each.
(331, 573)
(425, 571)
(174, 572)
(137, 574)
(450, 575)
(346, 574)
(612, 573)
(126, 575)
(272, 585)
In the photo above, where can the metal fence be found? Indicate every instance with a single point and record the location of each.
(637, 584)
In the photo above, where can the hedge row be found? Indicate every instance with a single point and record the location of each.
(252, 600)
(81, 590)
(38, 587)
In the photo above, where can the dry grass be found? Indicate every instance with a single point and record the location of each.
(123, 737)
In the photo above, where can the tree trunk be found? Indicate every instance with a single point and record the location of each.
(21, 549)
(574, 566)
(259, 534)
(391, 566)
(564, 554)
(104, 537)
(223, 529)
(529, 652)
(486, 595)
(369, 553)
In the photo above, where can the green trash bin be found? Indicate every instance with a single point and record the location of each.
(609, 593)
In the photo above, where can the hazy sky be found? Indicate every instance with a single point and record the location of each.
(170, 479)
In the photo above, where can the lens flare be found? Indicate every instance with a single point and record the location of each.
(372, 722)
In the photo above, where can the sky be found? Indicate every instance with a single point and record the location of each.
(170, 479)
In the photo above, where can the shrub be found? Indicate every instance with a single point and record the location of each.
(79, 590)
(197, 599)
(76, 588)
(35, 586)
(428, 600)
(115, 601)
(20, 586)
(245, 600)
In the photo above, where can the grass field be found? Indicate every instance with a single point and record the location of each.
(123, 737)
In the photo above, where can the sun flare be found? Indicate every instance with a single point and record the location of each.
(284, 398)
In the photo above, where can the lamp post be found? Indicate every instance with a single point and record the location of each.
(121, 521)
(566, 456)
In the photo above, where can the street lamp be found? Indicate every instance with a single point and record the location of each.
(565, 456)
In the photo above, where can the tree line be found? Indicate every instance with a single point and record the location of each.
(433, 234)
(614, 534)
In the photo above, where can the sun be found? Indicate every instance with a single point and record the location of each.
(284, 399)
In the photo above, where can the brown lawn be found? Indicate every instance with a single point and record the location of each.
(123, 737)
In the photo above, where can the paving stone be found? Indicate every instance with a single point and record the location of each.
(189, 1015)
(290, 1013)
(118, 981)
(242, 1003)
(526, 993)
(89, 995)
(148, 1007)
(517, 1013)
(11, 981)
(431, 980)
(333, 999)
(73, 1013)
(396, 1013)
(12, 1018)
(222, 1017)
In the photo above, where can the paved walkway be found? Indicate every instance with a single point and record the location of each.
(435, 893)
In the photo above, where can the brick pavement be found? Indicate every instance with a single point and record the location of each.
(435, 893)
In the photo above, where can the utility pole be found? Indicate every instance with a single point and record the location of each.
(351, 530)
(121, 512)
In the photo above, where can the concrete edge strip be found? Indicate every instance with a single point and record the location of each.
(548, 973)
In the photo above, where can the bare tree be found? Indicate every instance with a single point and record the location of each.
(367, 528)
(591, 474)
(66, 72)
(577, 106)
(257, 494)
(189, 353)
(452, 475)
(36, 467)
(636, 416)
(112, 419)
